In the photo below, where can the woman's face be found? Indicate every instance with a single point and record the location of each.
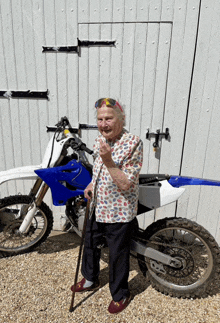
(109, 123)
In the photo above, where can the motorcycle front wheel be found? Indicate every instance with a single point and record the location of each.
(193, 246)
(12, 211)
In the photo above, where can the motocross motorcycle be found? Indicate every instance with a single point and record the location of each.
(179, 256)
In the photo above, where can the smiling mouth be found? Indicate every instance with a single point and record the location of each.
(106, 130)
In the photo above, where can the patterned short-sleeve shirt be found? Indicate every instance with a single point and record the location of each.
(111, 203)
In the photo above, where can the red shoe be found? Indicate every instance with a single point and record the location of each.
(117, 307)
(80, 288)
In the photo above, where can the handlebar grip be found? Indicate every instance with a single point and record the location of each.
(83, 147)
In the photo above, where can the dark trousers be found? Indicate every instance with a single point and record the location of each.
(118, 237)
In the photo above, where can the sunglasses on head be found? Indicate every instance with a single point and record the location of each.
(108, 102)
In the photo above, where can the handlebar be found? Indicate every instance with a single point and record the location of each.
(65, 122)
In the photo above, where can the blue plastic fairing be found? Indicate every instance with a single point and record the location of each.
(65, 181)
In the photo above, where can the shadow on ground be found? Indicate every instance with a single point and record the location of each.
(59, 241)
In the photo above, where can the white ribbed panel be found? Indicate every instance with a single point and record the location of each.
(202, 145)
(149, 71)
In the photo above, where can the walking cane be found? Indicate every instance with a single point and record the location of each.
(80, 251)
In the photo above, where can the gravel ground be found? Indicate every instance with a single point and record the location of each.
(35, 287)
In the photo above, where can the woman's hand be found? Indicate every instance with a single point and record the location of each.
(88, 192)
(106, 154)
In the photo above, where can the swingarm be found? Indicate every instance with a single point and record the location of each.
(151, 253)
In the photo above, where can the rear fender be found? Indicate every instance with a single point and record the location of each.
(178, 181)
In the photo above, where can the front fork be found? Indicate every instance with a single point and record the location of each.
(31, 209)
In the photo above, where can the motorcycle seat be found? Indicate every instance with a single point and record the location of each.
(152, 178)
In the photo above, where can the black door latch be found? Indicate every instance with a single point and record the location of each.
(157, 136)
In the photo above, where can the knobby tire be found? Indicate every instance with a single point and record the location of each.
(10, 242)
(190, 242)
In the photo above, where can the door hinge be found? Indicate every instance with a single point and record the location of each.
(24, 94)
(76, 49)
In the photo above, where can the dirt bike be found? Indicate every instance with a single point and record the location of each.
(179, 256)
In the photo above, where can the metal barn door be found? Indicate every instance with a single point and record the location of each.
(135, 71)
(146, 71)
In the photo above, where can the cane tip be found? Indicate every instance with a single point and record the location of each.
(71, 309)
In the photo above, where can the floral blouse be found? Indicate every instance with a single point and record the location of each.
(111, 203)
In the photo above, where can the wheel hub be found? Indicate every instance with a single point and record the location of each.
(186, 259)
(11, 231)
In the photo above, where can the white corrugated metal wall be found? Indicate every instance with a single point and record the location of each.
(158, 68)
(202, 144)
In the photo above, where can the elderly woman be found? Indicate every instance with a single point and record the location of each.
(114, 186)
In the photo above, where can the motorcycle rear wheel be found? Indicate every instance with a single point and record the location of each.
(11, 241)
(190, 243)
